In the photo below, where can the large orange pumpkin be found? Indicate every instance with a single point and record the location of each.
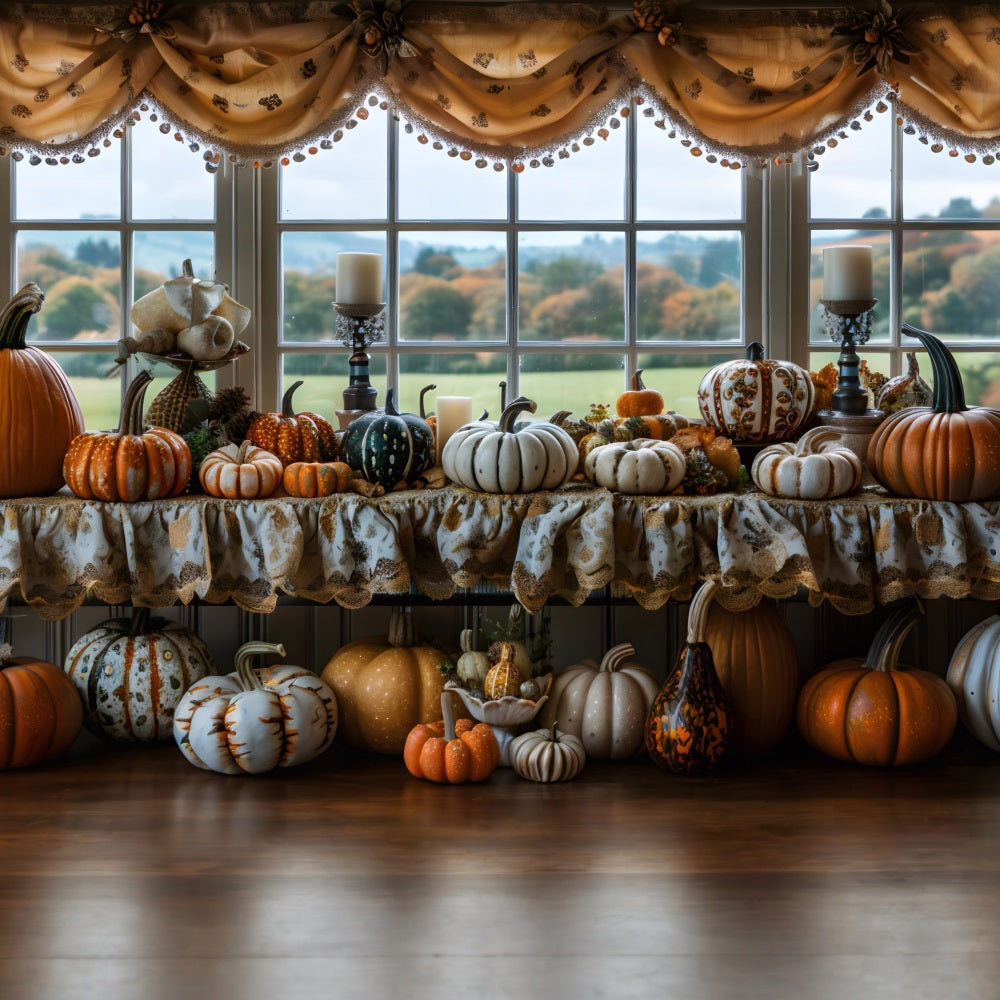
(39, 414)
(132, 463)
(874, 712)
(386, 685)
(755, 658)
(40, 711)
(294, 437)
(945, 451)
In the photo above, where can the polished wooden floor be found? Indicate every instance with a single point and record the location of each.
(129, 874)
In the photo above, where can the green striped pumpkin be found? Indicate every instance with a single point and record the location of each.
(389, 447)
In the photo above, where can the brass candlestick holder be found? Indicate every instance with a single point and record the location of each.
(358, 326)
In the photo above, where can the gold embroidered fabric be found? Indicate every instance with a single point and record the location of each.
(522, 83)
(854, 553)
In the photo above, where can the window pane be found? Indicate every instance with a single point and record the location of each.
(673, 184)
(159, 255)
(434, 185)
(980, 375)
(564, 380)
(879, 241)
(169, 181)
(346, 182)
(309, 280)
(324, 378)
(588, 185)
(939, 186)
(97, 394)
(79, 272)
(89, 190)
(453, 286)
(476, 374)
(853, 181)
(677, 376)
(571, 286)
(951, 282)
(688, 287)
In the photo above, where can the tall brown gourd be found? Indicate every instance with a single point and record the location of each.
(687, 731)
(39, 414)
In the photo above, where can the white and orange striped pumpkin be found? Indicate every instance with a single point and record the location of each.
(816, 467)
(254, 720)
(240, 472)
(131, 673)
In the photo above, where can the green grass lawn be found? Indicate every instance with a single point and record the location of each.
(553, 391)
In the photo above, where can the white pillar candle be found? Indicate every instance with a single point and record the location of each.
(452, 412)
(359, 278)
(847, 272)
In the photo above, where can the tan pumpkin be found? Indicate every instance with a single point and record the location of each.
(642, 466)
(756, 661)
(815, 467)
(603, 704)
(132, 463)
(546, 755)
(386, 685)
(39, 413)
(507, 459)
(240, 472)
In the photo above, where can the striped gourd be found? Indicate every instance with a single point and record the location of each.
(816, 467)
(131, 674)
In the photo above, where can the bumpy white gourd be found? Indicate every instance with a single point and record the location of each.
(642, 466)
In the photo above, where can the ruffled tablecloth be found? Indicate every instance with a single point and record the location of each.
(853, 552)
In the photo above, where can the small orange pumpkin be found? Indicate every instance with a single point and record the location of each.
(294, 437)
(317, 479)
(451, 752)
(132, 463)
(639, 401)
(242, 472)
(870, 712)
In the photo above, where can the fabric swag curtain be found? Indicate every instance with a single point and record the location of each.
(518, 84)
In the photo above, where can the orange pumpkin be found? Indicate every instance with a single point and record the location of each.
(40, 712)
(294, 437)
(451, 752)
(132, 463)
(688, 727)
(242, 472)
(872, 711)
(317, 479)
(945, 451)
(754, 655)
(638, 401)
(386, 685)
(38, 411)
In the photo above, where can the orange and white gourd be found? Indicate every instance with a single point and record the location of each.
(254, 720)
(605, 705)
(756, 399)
(816, 467)
(240, 472)
(644, 466)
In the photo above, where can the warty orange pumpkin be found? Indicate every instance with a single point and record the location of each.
(294, 437)
(638, 400)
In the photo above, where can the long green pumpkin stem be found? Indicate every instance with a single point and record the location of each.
(949, 392)
(15, 315)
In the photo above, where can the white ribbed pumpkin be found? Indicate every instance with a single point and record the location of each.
(501, 459)
(816, 467)
(756, 399)
(240, 472)
(547, 755)
(131, 674)
(974, 678)
(642, 466)
(256, 720)
(605, 705)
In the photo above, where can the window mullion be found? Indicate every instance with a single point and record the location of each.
(391, 293)
(513, 351)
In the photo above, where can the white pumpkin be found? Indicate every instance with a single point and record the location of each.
(256, 720)
(605, 705)
(547, 755)
(504, 459)
(756, 399)
(240, 472)
(816, 467)
(974, 678)
(473, 665)
(642, 466)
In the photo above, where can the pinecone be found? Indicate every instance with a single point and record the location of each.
(231, 408)
(701, 477)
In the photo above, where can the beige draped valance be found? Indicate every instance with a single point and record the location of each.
(519, 83)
